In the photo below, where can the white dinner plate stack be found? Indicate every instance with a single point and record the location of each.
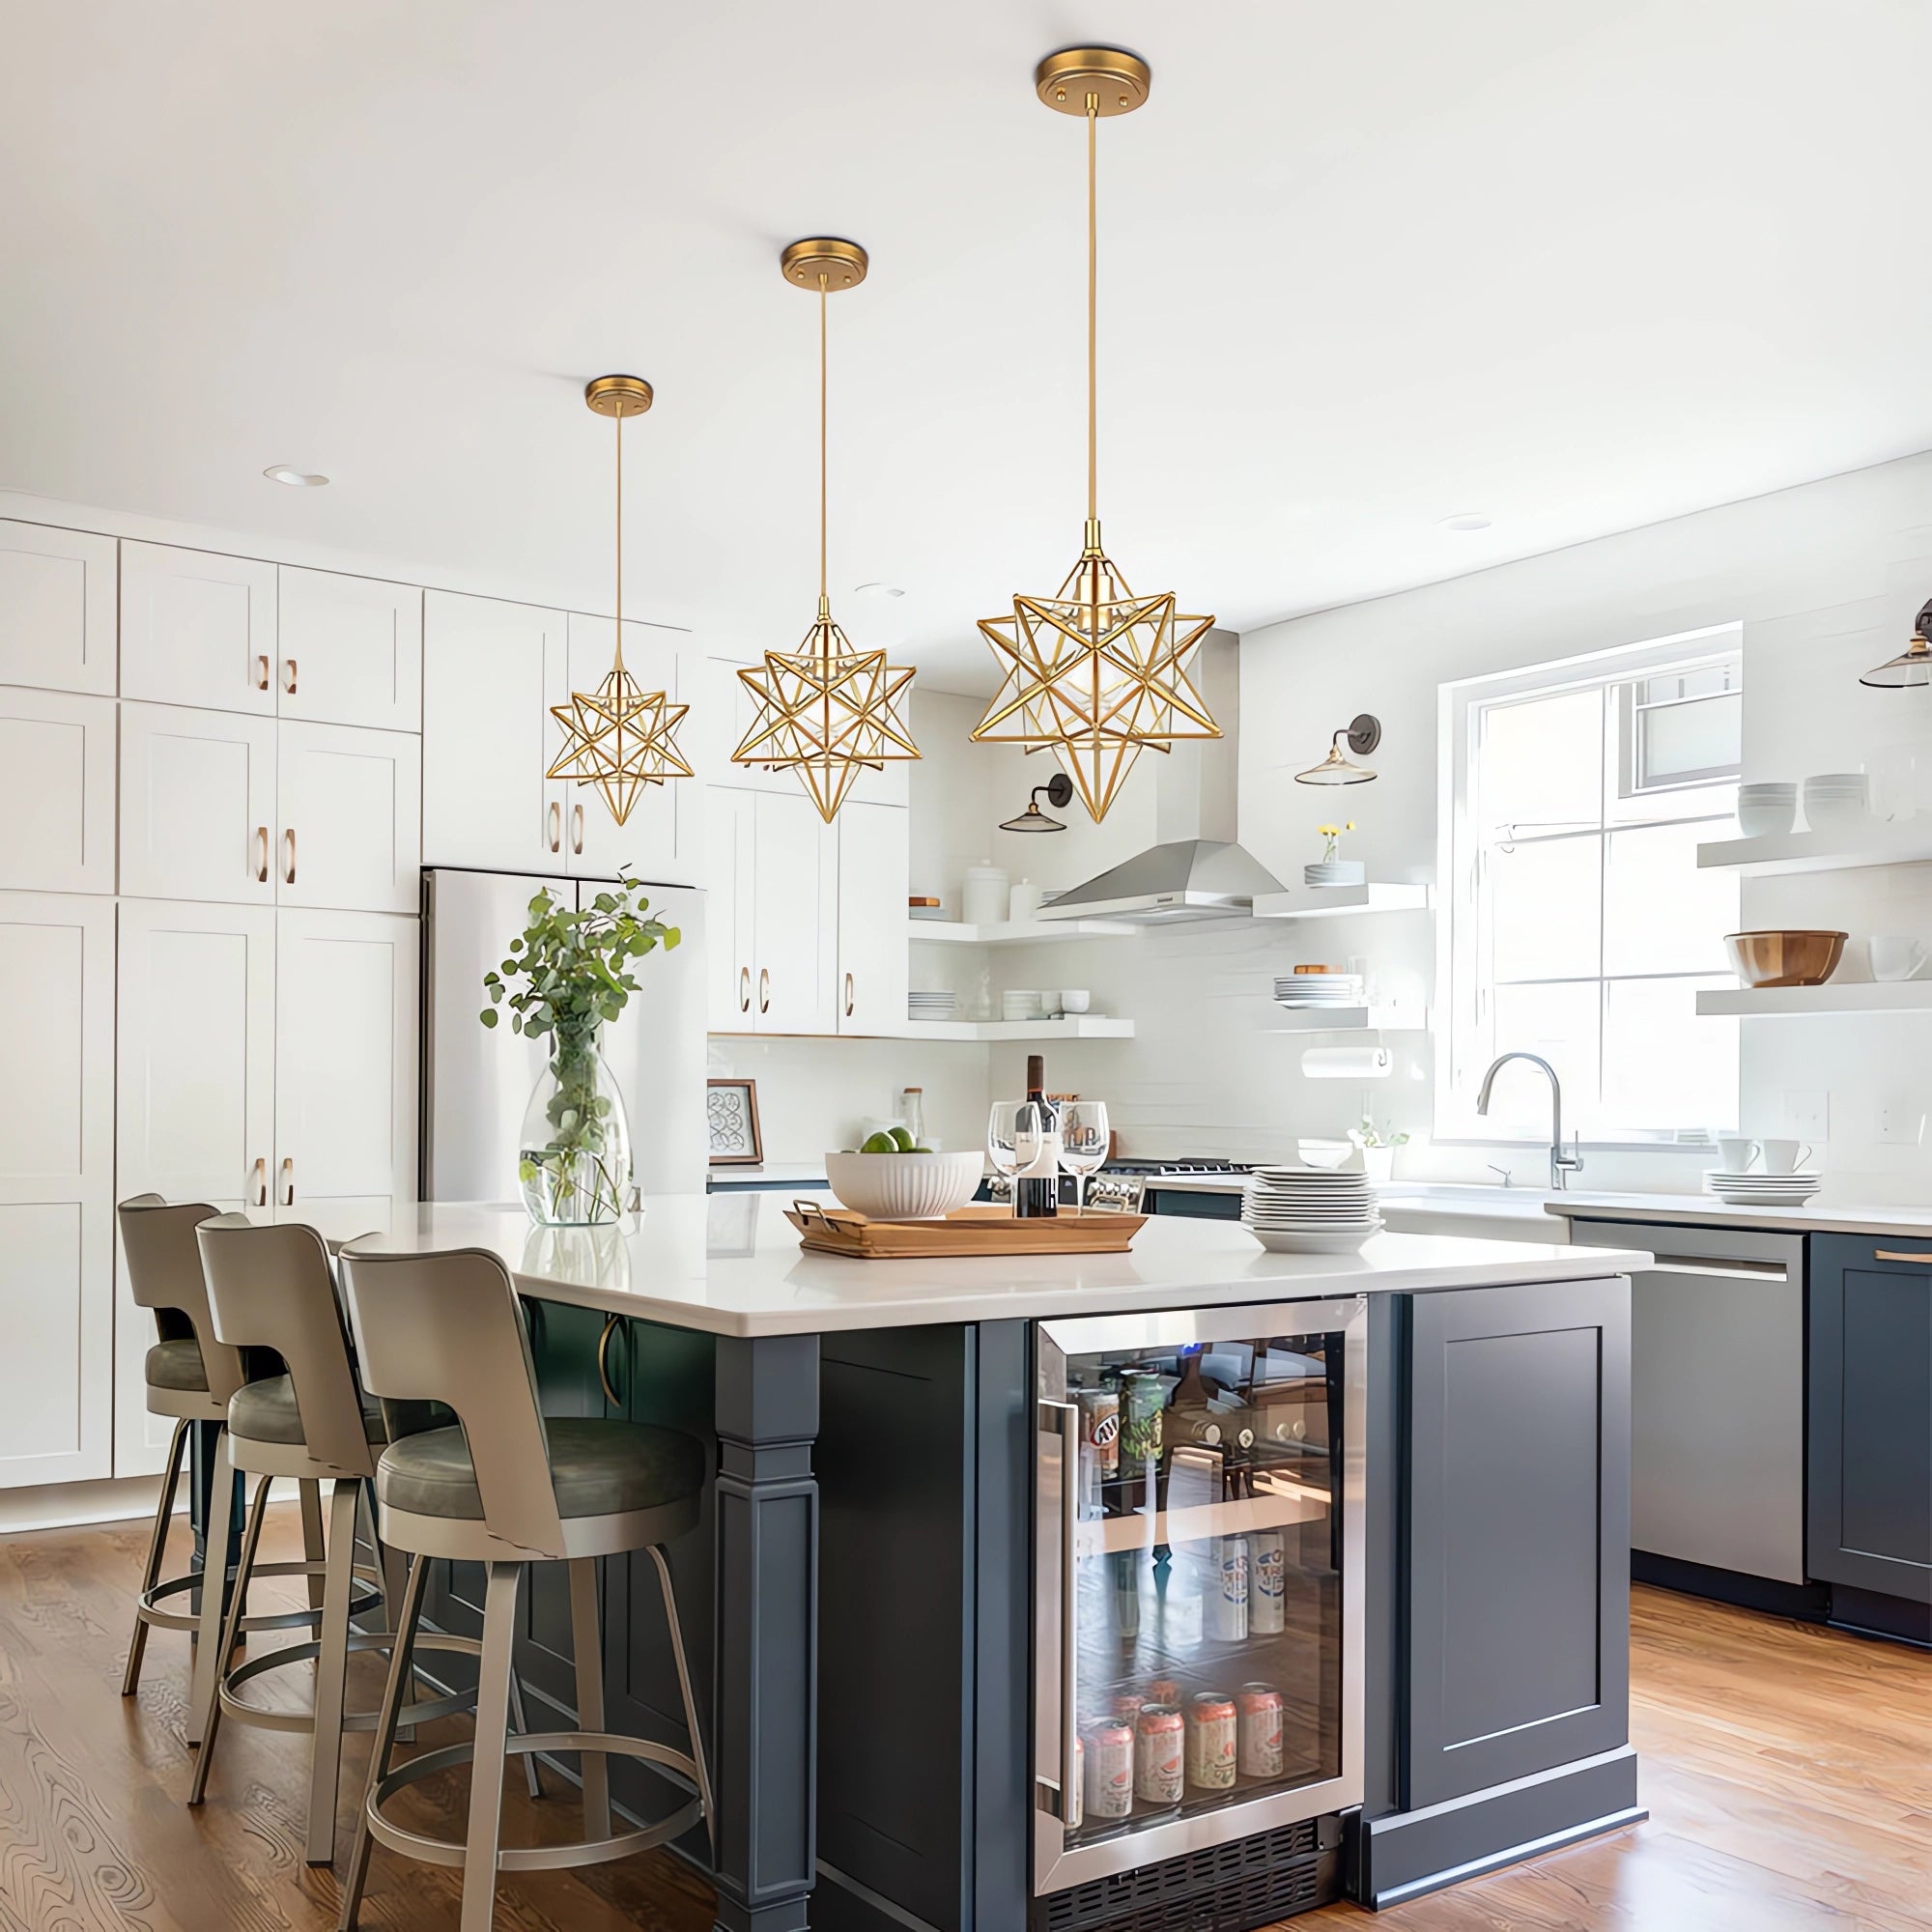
(1319, 990)
(931, 1006)
(1309, 1210)
(1763, 1190)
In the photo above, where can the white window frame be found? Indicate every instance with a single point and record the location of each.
(1458, 843)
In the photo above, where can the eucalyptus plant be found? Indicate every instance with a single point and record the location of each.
(567, 973)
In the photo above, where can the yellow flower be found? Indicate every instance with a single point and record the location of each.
(1330, 830)
(1349, 826)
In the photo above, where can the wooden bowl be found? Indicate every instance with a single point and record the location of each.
(1785, 959)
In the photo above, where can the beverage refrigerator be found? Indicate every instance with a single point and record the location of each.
(1198, 1589)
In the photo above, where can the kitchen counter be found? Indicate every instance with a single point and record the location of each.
(1707, 1211)
(731, 1265)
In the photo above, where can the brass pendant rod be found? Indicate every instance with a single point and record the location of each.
(824, 608)
(617, 662)
(1092, 322)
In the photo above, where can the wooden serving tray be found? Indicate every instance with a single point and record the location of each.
(980, 1229)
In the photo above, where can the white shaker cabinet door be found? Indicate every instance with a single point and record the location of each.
(198, 809)
(197, 628)
(490, 671)
(728, 829)
(349, 829)
(56, 792)
(874, 856)
(345, 1068)
(795, 914)
(57, 607)
(646, 845)
(349, 650)
(56, 1190)
(195, 1099)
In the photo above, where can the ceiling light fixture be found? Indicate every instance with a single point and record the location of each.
(1059, 790)
(1467, 521)
(619, 737)
(1911, 668)
(826, 711)
(1362, 734)
(1093, 673)
(295, 479)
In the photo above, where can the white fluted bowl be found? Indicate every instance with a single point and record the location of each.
(904, 1187)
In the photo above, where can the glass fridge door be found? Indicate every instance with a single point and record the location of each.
(1198, 1591)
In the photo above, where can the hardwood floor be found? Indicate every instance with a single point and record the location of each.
(1788, 1772)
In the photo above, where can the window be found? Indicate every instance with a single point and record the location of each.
(1580, 926)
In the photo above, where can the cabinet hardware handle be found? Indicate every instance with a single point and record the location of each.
(262, 672)
(1888, 1255)
(764, 990)
(610, 1395)
(849, 996)
(1065, 1422)
(290, 687)
(289, 1181)
(262, 855)
(288, 851)
(260, 1182)
(744, 989)
(576, 828)
(555, 826)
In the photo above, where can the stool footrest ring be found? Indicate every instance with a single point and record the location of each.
(147, 1605)
(425, 1711)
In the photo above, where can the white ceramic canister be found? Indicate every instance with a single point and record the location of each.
(983, 898)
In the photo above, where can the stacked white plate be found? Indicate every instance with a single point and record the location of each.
(1763, 1190)
(1319, 990)
(931, 1006)
(1309, 1210)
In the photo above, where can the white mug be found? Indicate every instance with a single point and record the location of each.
(1895, 956)
(1784, 1156)
(1075, 1000)
(1735, 1152)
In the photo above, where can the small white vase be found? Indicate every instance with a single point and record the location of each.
(1335, 872)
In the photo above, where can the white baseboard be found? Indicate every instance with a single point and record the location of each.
(120, 1499)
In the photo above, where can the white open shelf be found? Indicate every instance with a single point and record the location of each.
(1330, 901)
(1349, 1019)
(1877, 843)
(1083, 1026)
(1854, 996)
(1015, 931)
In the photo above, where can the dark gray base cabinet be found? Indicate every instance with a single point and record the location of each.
(1868, 1528)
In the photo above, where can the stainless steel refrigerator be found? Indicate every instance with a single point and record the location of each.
(477, 1080)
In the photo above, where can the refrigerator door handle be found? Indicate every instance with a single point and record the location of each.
(1060, 1421)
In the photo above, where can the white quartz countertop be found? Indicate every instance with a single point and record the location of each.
(1837, 1217)
(731, 1265)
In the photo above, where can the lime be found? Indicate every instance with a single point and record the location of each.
(902, 1140)
(879, 1143)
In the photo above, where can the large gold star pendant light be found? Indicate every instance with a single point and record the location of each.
(619, 737)
(825, 710)
(1093, 673)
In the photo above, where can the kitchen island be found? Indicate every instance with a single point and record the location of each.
(894, 1656)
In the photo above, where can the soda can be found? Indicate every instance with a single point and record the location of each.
(1228, 1592)
(1211, 1742)
(1267, 1583)
(1110, 1769)
(1125, 1704)
(1164, 1690)
(1258, 1708)
(1158, 1774)
(1072, 1795)
(1100, 1432)
(1142, 1400)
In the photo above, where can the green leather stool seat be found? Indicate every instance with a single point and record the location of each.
(264, 1412)
(176, 1365)
(597, 1469)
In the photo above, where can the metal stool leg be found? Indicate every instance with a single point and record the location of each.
(587, 1638)
(230, 1635)
(158, 1546)
(313, 1551)
(684, 1686)
(407, 1611)
(395, 1567)
(325, 1767)
(486, 1771)
(213, 1579)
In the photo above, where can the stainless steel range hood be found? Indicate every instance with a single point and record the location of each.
(1198, 869)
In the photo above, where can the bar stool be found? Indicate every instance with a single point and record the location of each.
(507, 1488)
(190, 1376)
(272, 1288)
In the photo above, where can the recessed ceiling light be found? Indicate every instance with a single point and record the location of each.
(1466, 520)
(881, 591)
(295, 479)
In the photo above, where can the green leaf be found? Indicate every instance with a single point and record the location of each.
(488, 1016)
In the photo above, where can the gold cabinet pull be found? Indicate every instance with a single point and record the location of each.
(610, 1395)
(288, 855)
(1888, 1255)
(764, 990)
(260, 855)
(290, 686)
(744, 989)
(288, 1181)
(849, 996)
(261, 672)
(555, 826)
(260, 1182)
(576, 828)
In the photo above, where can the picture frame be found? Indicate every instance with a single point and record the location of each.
(732, 1124)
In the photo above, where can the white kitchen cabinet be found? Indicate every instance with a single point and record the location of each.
(874, 858)
(647, 844)
(56, 1188)
(490, 671)
(198, 808)
(195, 1095)
(349, 650)
(56, 791)
(348, 830)
(197, 628)
(794, 916)
(345, 1068)
(57, 607)
(728, 827)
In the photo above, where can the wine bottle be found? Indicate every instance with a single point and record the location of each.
(1036, 1185)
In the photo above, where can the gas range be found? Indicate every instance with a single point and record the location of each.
(1176, 1169)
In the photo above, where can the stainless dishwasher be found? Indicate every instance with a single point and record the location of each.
(1716, 1395)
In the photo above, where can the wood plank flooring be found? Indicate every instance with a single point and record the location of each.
(1788, 1772)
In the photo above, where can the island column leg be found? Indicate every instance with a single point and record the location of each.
(765, 1744)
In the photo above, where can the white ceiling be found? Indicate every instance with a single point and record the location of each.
(1364, 266)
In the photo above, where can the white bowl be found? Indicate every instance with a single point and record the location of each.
(1757, 818)
(904, 1187)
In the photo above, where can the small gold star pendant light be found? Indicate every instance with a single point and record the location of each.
(619, 737)
(825, 710)
(1093, 673)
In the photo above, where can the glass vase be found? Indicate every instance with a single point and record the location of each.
(574, 1157)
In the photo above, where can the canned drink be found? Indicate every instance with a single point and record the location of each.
(1158, 1749)
(1164, 1690)
(1142, 1400)
(1110, 1769)
(1267, 1583)
(1258, 1710)
(1100, 1432)
(1228, 1598)
(1211, 1742)
(1073, 1797)
(1124, 1705)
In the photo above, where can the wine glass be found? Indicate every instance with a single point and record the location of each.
(1084, 1143)
(1014, 1132)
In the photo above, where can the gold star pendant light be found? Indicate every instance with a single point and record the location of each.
(825, 710)
(619, 737)
(1093, 673)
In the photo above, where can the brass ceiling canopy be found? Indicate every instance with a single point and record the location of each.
(1911, 668)
(1094, 672)
(825, 710)
(619, 737)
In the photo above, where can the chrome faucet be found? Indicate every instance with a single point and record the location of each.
(1561, 1165)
